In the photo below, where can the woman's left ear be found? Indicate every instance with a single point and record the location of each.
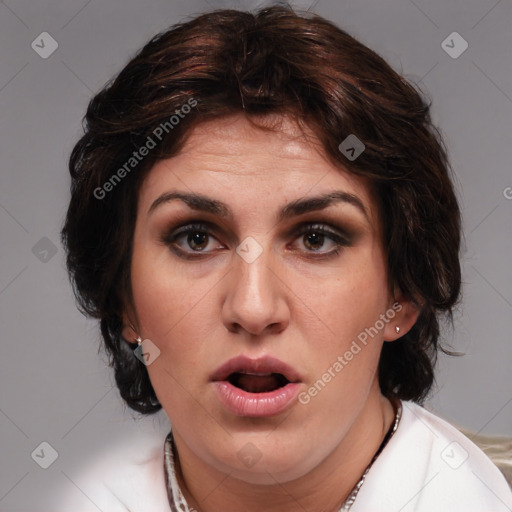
(407, 312)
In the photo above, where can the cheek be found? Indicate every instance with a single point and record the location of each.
(173, 313)
(165, 298)
(349, 302)
(343, 361)
(174, 316)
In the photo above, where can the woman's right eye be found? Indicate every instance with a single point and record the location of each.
(190, 239)
(197, 240)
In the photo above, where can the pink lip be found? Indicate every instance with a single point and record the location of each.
(256, 405)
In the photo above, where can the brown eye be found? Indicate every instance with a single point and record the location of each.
(316, 237)
(191, 241)
(197, 240)
(314, 241)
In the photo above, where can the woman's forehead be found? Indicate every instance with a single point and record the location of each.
(280, 134)
(256, 191)
(232, 153)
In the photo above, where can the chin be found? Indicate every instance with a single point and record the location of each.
(268, 474)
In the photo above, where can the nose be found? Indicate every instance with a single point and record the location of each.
(256, 297)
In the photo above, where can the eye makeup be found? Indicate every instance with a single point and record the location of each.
(190, 240)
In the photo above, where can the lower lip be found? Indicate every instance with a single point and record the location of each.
(256, 405)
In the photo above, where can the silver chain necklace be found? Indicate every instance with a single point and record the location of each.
(352, 496)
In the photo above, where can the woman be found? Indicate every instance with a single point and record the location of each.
(263, 221)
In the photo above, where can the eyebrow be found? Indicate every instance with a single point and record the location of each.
(300, 206)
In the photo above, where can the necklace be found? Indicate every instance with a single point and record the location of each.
(352, 496)
(178, 503)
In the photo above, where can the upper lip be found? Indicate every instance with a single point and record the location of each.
(263, 365)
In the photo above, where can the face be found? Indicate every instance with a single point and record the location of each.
(233, 258)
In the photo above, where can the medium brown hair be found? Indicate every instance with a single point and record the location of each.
(275, 61)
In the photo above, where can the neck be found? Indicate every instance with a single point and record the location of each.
(324, 488)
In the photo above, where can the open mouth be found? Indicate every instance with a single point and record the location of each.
(256, 387)
(257, 382)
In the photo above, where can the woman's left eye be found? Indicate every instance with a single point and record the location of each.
(198, 239)
(314, 236)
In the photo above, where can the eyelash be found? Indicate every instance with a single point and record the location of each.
(172, 236)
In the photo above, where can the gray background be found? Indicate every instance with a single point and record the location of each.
(54, 386)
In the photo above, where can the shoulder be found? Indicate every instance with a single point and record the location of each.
(430, 465)
(125, 479)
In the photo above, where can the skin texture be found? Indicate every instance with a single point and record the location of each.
(293, 302)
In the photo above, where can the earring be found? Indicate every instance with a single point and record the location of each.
(138, 339)
(397, 329)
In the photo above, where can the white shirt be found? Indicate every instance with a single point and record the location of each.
(428, 465)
